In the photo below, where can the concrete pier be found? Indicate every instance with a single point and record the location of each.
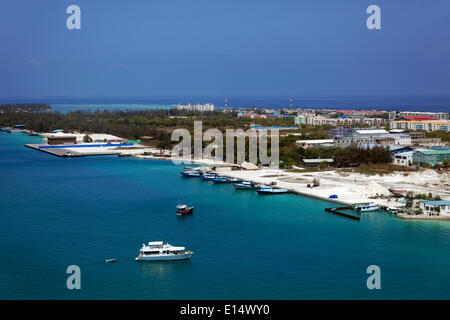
(69, 153)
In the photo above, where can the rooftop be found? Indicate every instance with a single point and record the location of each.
(317, 160)
(432, 152)
(315, 141)
(438, 203)
(371, 131)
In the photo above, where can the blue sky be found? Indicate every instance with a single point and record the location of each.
(209, 47)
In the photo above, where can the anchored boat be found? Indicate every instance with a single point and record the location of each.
(225, 180)
(158, 251)
(245, 185)
(191, 174)
(209, 176)
(184, 209)
(367, 207)
(271, 190)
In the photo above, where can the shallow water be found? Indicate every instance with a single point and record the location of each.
(55, 212)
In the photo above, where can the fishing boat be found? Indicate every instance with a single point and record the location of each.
(271, 190)
(158, 251)
(367, 207)
(225, 180)
(184, 209)
(245, 185)
(191, 174)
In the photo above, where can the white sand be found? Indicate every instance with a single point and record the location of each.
(354, 188)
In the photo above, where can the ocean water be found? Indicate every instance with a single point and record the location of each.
(92, 107)
(56, 212)
(412, 103)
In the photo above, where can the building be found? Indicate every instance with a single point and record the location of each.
(435, 208)
(299, 120)
(196, 107)
(314, 143)
(393, 115)
(421, 125)
(403, 158)
(430, 156)
(61, 138)
(316, 162)
(359, 137)
(320, 120)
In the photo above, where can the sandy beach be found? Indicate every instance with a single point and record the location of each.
(351, 188)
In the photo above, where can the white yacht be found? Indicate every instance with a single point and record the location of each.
(367, 207)
(157, 250)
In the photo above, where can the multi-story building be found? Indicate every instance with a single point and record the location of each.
(430, 157)
(321, 120)
(345, 137)
(424, 125)
(435, 115)
(299, 120)
(403, 158)
(196, 107)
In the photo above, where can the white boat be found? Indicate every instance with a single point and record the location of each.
(209, 176)
(271, 190)
(158, 251)
(367, 207)
(245, 185)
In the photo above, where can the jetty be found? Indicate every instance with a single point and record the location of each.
(339, 212)
(79, 150)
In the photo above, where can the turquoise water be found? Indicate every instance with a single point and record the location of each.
(57, 212)
(91, 107)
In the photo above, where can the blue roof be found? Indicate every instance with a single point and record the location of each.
(274, 127)
(438, 203)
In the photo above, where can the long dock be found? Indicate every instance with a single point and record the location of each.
(336, 211)
(60, 151)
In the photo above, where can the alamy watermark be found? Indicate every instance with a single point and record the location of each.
(257, 142)
(374, 280)
(74, 280)
(73, 22)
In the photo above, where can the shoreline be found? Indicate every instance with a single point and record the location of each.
(422, 217)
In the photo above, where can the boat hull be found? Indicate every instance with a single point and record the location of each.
(168, 257)
(243, 187)
(190, 175)
(272, 192)
(367, 210)
(185, 211)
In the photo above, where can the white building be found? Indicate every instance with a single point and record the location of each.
(435, 115)
(434, 208)
(314, 143)
(196, 107)
(403, 158)
(300, 119)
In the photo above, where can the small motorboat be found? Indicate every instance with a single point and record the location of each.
(184, 209)
(209, 176)
(157, 251)
(245, 185)
(110, 260)
(271, 190)
(225, 180)
(367, 207)
(191, 174)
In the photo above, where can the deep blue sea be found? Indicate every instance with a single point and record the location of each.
(56, 212)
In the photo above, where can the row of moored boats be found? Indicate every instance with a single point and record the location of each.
(238, 184)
